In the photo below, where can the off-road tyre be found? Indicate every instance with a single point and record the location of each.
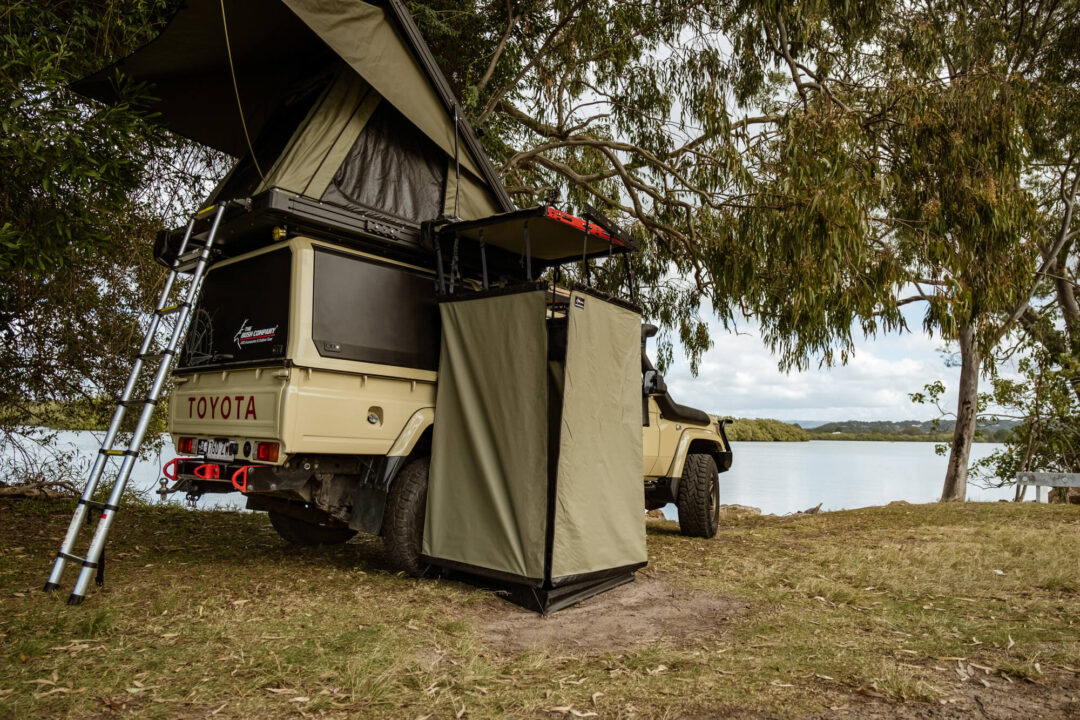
(403, 521)
(699, 493)
(305, 534)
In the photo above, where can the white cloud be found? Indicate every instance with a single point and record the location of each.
(740, 377)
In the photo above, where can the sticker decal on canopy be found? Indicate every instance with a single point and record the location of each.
(247, 335)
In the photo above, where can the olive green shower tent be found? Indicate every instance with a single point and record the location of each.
(535, 476)
(340, 102)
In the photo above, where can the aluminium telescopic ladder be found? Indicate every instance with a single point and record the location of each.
(95, 556)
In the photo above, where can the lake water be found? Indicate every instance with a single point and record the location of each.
(777, 477)
(785, 477)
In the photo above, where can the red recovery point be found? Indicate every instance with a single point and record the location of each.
(208, 471)
(242, 472)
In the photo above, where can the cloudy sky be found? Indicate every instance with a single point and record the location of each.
(739, 377)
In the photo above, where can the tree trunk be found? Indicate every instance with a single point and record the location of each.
(967, 408)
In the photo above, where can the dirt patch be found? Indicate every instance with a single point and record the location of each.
(643, 611)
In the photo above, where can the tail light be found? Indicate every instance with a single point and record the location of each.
(267, 452)
(186, 446)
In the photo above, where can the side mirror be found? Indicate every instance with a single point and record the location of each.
(649, 382)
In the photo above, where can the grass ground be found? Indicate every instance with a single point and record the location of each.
(907, 611)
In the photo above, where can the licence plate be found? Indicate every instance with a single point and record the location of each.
(217, 450)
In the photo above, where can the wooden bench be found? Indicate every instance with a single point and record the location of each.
(1043, 480)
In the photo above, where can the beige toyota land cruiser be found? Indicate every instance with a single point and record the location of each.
(307, 383)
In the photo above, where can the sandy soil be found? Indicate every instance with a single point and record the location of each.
(645, 610)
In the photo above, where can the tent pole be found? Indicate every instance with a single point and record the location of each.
(557, 278)
(440, 279)
(630, 277)
(457, 167)
(585, 252)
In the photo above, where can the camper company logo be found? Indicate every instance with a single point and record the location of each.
(247, 335)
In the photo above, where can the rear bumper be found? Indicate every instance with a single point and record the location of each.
(199, 476)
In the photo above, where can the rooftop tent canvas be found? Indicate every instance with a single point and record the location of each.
(535, 476)
(340, 101)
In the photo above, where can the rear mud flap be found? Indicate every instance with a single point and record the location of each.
(368, 505)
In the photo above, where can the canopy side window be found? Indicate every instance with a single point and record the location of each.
(393, 167)
(374, 312)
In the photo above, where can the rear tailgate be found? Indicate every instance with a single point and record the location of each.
(229, 403)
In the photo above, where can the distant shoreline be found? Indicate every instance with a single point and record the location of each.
(768, 430)
(866, 438)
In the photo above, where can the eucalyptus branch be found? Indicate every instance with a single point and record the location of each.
(552, 36)
(1050, 257)
(782, 48)
(497, 53)
(920, 297)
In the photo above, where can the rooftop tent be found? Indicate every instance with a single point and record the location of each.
(535, 476)
(342, 102)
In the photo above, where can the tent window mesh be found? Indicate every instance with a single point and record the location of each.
(392, 167)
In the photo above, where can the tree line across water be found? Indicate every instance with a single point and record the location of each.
(766, 430)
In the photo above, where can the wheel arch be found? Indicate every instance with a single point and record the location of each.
(413, 442)
(699, 440)
(413, 434)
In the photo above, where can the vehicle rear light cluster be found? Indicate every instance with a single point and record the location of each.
(266, 451)
(186, 446)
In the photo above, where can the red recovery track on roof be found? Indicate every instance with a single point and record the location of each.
(582, 225)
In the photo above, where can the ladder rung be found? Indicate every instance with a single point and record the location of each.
(169, 309)
(76, 558)
(135, 403)
(157, 356)
(189, 257)
(118, 453)
(98, 505)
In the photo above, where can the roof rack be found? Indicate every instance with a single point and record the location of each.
(542, 237)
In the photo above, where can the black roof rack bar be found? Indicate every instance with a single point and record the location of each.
(591, 213)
